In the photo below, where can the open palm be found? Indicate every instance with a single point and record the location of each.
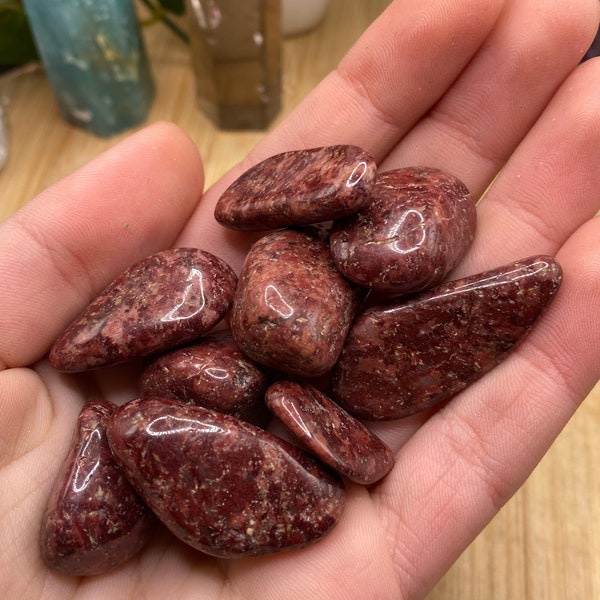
(484, 89)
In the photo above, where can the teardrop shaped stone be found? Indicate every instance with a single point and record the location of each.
(164, 300)
(94, 520)
(337, 438)
(407, 355)
(222, 485)
(297, 188)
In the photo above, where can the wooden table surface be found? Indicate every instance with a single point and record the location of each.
(545, 543)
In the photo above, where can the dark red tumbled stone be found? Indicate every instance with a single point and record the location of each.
(405, 356)
(297, 188)
(338, 439)
(222, 485)
(292, 308)
(95, 520)
(165, 300)
(213, 373)
(417, 226)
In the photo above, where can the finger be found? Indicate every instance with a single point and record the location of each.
(35, 434)
(25, 414)
(65, 245)
(549, 187)
(396, 71)
(464, 463)
(475, 127)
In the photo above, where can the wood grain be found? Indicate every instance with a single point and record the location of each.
(545, 543)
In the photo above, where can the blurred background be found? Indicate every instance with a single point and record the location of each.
(545, 543)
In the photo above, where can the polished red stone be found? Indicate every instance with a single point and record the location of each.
(165, 300)
(213, 373)
(292, 308)
(338, 439)
(407, 355)
(297, 188)
(221, 485)
(94, 520)
(415, 229)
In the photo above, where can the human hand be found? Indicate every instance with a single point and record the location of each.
(475, 87)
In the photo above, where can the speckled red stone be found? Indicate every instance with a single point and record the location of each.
(338, 439)
(165, 300)
(222, 485)
(297, 188)
(292, 308)
(405, 356)
(415, 229)
(213, 373)
(95, 520)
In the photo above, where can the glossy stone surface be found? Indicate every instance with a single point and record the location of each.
(414, 231)
(165, 300)
(222, 485)
(94, 520)
(292, 308)
(213, 373)
(338, 439)
(405, 356)
(94, 57)
(297, 188)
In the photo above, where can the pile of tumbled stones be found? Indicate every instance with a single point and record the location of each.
(342, 313)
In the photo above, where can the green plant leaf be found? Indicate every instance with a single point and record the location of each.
(11, 5)
(16, 43)
(175, 6)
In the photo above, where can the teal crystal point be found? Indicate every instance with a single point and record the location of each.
(95, 60)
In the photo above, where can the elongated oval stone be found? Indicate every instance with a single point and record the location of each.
(338, 439)
(213, 373)
(94, 520)
(297, 188)
(407, 355)
(417, 226)
(221, 485)
(292, 308)
(165, 300)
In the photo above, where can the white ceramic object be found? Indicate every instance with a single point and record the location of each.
(300, 16)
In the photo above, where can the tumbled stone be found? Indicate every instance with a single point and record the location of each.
(213, 373)
(417, 226)
(292, 308)
(165, 300)
(338, 439)
(221, 485)
(94, 520)
(408, 355)
(297, 188)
